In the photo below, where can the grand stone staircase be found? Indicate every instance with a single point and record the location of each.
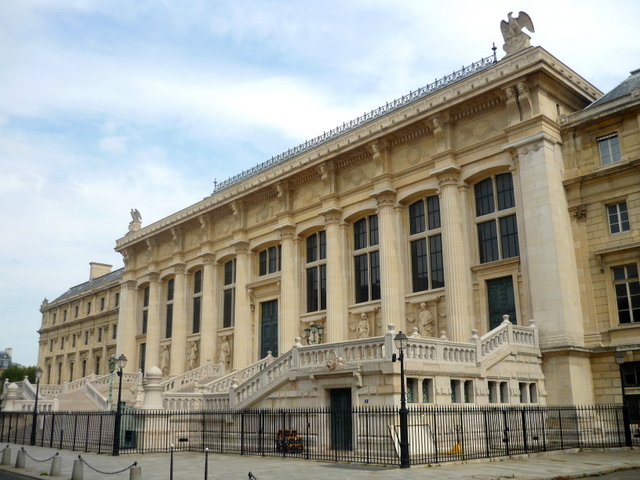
(210, 387)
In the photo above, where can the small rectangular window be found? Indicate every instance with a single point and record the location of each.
(228, 308)
(145, 297)
(411, 393)
(609, 149)
(64, 315)
(618, 218)
(114, 332)
(504, 392)
(99, 334)
(88, 308)
(427, 385)
(145, 321)
(102, 304)
(117, 299)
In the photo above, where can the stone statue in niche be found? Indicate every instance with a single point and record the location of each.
(514, 38)
(165, 360)
(224, 353)
(425, 321)
(363, 326)
(193, 355)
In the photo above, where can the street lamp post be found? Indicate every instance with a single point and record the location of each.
(401, 344)
(35, 407)
(625, 407)
(120, 364)
(112, 368)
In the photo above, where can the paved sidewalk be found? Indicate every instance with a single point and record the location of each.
(190, 465)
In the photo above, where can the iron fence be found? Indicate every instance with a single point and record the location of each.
(437, 434)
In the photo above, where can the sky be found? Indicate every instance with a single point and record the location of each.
(111, 105)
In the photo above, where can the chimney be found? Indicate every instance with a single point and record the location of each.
(98, 270)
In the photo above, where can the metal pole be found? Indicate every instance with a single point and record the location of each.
(404, 419)
(35, 414)
(116, 430)
(625, 411)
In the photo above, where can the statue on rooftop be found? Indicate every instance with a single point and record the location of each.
(514, 38)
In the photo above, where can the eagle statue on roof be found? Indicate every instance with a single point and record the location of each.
(514, 38)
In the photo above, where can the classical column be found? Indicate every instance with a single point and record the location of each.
(455, 259)
(210, 285)
(179, 330)
(126, 341)
(153, 322)
(242, 337)
(337, 325)
(289, 305)
(391, 278)
(553, 273)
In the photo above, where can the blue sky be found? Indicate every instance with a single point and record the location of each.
(111, 105)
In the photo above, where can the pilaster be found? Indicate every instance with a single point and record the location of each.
(243, 331)
(126, 341)
(179, 330)
(337, 284)
(289, 310)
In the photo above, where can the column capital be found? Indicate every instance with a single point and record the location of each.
(331, 215)
(154, 276)
(386, 197)
(128, 285)
(447, 175)
(287, 230)
(179, 267)
(241, 246)
(208, 257)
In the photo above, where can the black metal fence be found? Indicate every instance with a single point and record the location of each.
(371, 435)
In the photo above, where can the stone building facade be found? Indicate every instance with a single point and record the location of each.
(489, 193)
(80, 328)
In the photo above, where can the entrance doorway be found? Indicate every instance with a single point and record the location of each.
(502, 301)
(269, 330)
(341, 419)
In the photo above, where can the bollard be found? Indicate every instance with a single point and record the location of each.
(77, 470)
(135, 473)
(6, 456)
(20, 459)
(206, 463)
(56, 466)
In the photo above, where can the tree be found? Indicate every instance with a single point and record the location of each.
(16, 373)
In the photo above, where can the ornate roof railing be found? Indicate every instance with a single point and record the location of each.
(346, 127)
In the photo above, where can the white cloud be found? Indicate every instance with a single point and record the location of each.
(108, 106)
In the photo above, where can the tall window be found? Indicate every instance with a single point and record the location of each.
(54, 319)
(618, 218)
(427, 270)
(609, 149)
(145, 310)
(317, 272)
(496, 219)
(117, 299)
(143, 355)
(197, 301)
(169, 310)
(114, 331)
(270, 260)
(366, 259)
(627, 287)
(102, 304)
(88, 308)
(229, 294)
(64, 315)
(75, 312)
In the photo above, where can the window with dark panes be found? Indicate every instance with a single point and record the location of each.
(627, 288)
(427, 271)
(316, 272)
(269, 260)
(366, 259)
(228, 294)
(496, 219)
(196, 301)
(145, 310)
(168, 331)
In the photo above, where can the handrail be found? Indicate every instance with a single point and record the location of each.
(96, 397)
